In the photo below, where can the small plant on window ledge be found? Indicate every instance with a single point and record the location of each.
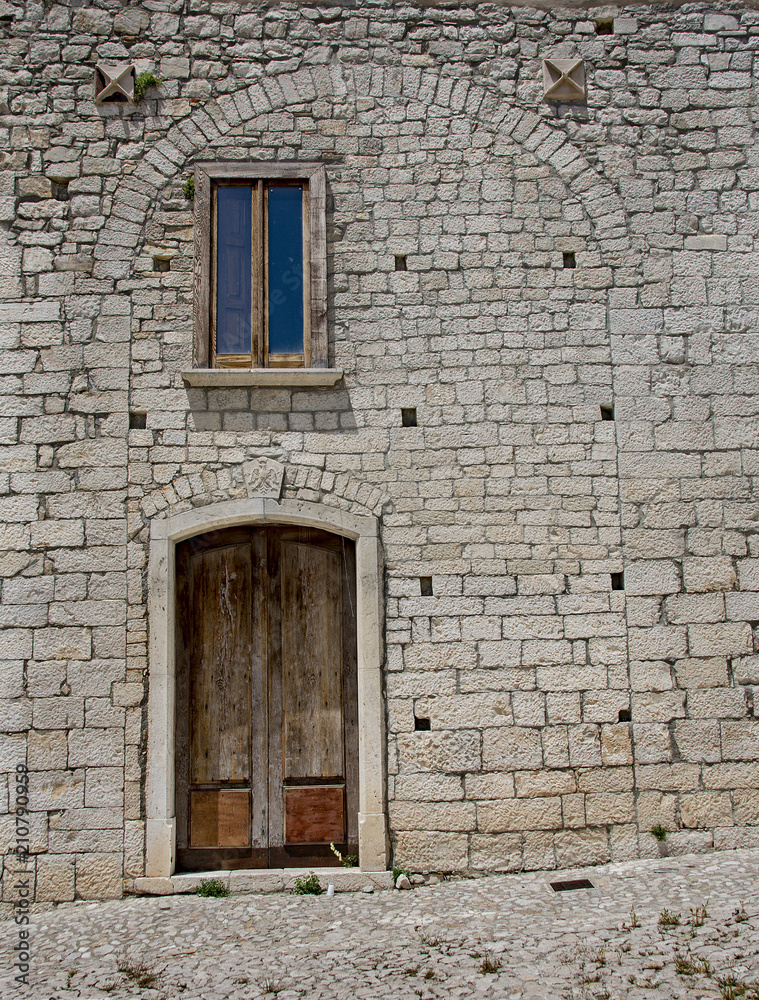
(143, 83)
(307, 885)
(659, 832)
(188, 189)
(212, 887)
(347, 861)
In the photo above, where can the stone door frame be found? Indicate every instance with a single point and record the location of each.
(165, 533)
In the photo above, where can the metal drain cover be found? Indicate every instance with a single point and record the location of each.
(572, 883)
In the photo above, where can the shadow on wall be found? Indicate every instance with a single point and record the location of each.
(281, 409)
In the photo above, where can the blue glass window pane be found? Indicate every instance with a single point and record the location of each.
(233, 250)
(285, 270)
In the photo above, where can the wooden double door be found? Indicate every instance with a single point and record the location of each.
(266, 699)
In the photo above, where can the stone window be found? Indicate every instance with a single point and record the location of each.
(260, 266)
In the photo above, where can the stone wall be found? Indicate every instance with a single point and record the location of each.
(515, 493)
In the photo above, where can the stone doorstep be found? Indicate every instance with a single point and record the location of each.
(262, 880)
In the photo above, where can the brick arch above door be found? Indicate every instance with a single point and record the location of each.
(165, 534)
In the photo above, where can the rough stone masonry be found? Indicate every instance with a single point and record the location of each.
(580, 485)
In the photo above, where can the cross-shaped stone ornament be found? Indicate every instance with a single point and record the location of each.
(564, 79)
(114, 82)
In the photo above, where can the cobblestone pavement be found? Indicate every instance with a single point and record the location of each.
(496, 936)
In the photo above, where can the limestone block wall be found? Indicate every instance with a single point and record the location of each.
(573, 423)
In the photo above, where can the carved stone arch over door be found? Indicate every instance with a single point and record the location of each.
(233, 805)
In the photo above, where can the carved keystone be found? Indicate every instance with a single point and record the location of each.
(263, 477)
(564, 79)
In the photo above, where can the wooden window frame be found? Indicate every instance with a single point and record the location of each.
(313, 178)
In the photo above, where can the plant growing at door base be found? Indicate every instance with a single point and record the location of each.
(307, 885)
(213, 887)
(347, 860)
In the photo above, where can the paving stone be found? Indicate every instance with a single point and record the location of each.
(666, 928)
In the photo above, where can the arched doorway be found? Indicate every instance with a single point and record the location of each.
(166, 534)
(266, 698)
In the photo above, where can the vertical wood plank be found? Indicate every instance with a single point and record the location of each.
(213, 290)
(259, 693)
(350, 686)
(257, 271)
(234, 818)
(312, 659)
(220, 747)
(183, 641)
(264, 271)
(317, 200)
(201, 269)
(306, 207)
(274, 649)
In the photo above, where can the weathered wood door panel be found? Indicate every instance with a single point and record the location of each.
(220, 743)
(312, 661)
(266, 698)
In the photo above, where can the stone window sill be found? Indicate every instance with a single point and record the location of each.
(294, 378)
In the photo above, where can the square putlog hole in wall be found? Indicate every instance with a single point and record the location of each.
(161, 264)
(607, 413)
(625, 715)
(605, 26)
(617, 581)
(425, 586)
(400, 262)
(137, 421)
(408, 416)
(568, 259)
(421, 725)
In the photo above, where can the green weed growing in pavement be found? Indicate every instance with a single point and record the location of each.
(269, 985)
(659, 832)
(400, 870)
(490, 963)
(698, 915)
(430, 941)
(138, 970)
(307, 885)
(732, 988)
(692, 965)
(669, 919)
(212, 887)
